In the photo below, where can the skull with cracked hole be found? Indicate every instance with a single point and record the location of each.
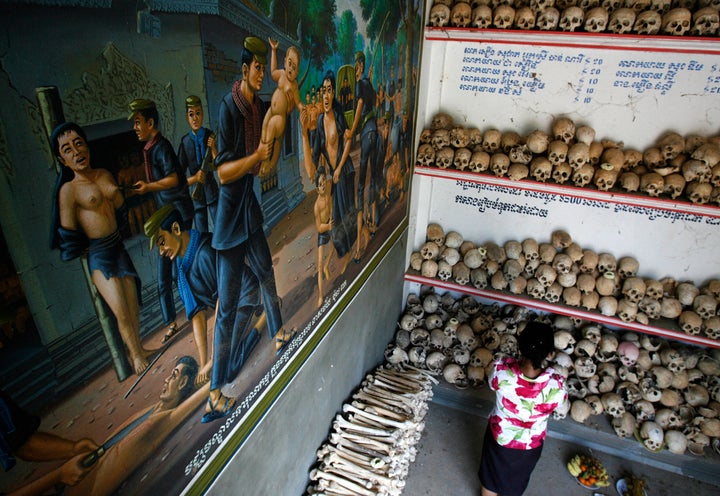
(482, 17)
(460, 356)
(648, 23)
(524, 18)
(575, 387)
(612, 404)
(479, 161)
(503, 16)
(671, 144)
(426, 136)
(676, 21)
(425, 155)
(561, 173)
(652, 435)
(417, 356)
(540, 169)
(395, 355)
(445, 270)
(444, 157)
(585, 348)
(633, 289)
(605, 179)
(648, 390)
(460, 15)
(583, 176)
(461, 159)
(435, 362)
(699, 193)
(571, 18)
(520, 154)
(708, 153)
(455, 375)
(419, 337)
(705, 21)
(563, 129)
(672, 360)
(439, 15)
(696, 170)
(596, 20)
(624, 426)
(621, 21)
(650, 307)
(674, 185)
(652, 184)
(564, 341)
(459, 137)
(440, 139)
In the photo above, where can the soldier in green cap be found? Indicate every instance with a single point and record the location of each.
(192, 153)
(166, 181)
(238, 232)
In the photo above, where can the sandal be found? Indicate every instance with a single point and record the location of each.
(216, 413)
(171, 333)
(287, 337)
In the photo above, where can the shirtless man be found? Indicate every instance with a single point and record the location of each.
(323, 224)
(175, 403)
(285, 97)
(91, 212)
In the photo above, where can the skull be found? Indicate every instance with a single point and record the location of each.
(442, 120)
(503, 16)
(634, 289)
(429, 268)
(459, 137)
(652, 184)
(482, 17)
(580, 411)
(709, 153)
(518, 171)
(671, 144)
(662, 6)
(461, 273)
(548, 19)
(461, 159)
(445, 270)
(491, 140)
(630, 181)
(674, 185)
(440, 139)
(583, 176)
(605, 179)
(644, 410)
(444, 157)
(705, 21)
(612, 404)
(696, 170)
(508, 344)
(455, 375)
(676, 21)
(561, 172)
(705, 305)
(450, 255)
(576, 388)
(564, 341)
(499, 164)
(395, 355)
(524, 18)
(571, 18)
(648, 23)
(622, 21)
(563, 129)
(628, 352)
(596, 20)
(479, 161)
(652, 435)
(699, 193)
(425, 155)
(426, 136)
(648, 390)
(711, 327)
(475, 257)
(624, 425)
(675, 441)
(439, 15)
(540, 169)
(460, 14)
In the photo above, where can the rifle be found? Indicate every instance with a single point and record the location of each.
(207, 166)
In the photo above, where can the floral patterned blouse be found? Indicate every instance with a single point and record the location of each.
(523, 405)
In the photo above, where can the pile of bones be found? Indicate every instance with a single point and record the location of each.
(643, 17)
(665, 394)
(561, 272)
(373, 441)
(677, 167)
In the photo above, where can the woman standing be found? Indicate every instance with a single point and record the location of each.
(526, 394)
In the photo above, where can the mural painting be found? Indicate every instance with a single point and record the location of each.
(216, 179)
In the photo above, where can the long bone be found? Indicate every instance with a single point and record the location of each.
(391, 385)
(333, 459)
(350, 475)
(371, 463)
(396, 382)
(401, 401)
(371, 442)
(400, 425)
(342, 423)
(318, 475)
(371, 399)
(411, 380)
(339, 440)
(379, 410)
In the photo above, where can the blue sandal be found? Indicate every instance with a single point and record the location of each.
(216, 413)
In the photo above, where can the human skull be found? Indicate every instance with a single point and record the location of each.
(563, 129)
(461, 273)
(628, 353)
(605, 179)
(460, 15)
(652, 435)
(517, 171)
(564, 341)
(482, 17)
(575, 387)
(442, 120)
(503, 16)
(578, 154)
(540, 169)
(675, 441)
(585, 348)
(583, 176)
(580, 411)
(571, 18)
(479, 161)
(648, 23)
(439, 15)
(499, 164)
(596, 20)
(455, 375)
(524, 18)
(425, 155)
(699, 193)
(491, 140)
(461, 159)
(634, 289)
(696, 170)
(674, 185)
(644, 410)
(561, 173)
(426, 136)
(429, 268)
(622, 21)
(612, 404)
(624, 425)
(705, 305)
(708, 153)
(444, 157)
(548, 19)
(705, 21)
(676, 21)
(440, 139)
(652, 184)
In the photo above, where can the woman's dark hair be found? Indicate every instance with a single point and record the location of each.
(536, 342)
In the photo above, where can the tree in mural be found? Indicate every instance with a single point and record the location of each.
(346, 36)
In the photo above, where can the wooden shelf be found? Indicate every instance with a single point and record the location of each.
(664, 328)
(629, 199)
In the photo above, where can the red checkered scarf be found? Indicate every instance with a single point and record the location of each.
(252, 116)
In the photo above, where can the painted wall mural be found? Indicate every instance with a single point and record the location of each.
(217, 179)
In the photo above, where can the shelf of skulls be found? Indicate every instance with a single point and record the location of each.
(686, 19)
(559, 276)
(678, 173)
(639, 383)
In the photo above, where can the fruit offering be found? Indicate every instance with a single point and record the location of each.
(588, 471)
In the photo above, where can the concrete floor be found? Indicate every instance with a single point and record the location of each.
(449, 455)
